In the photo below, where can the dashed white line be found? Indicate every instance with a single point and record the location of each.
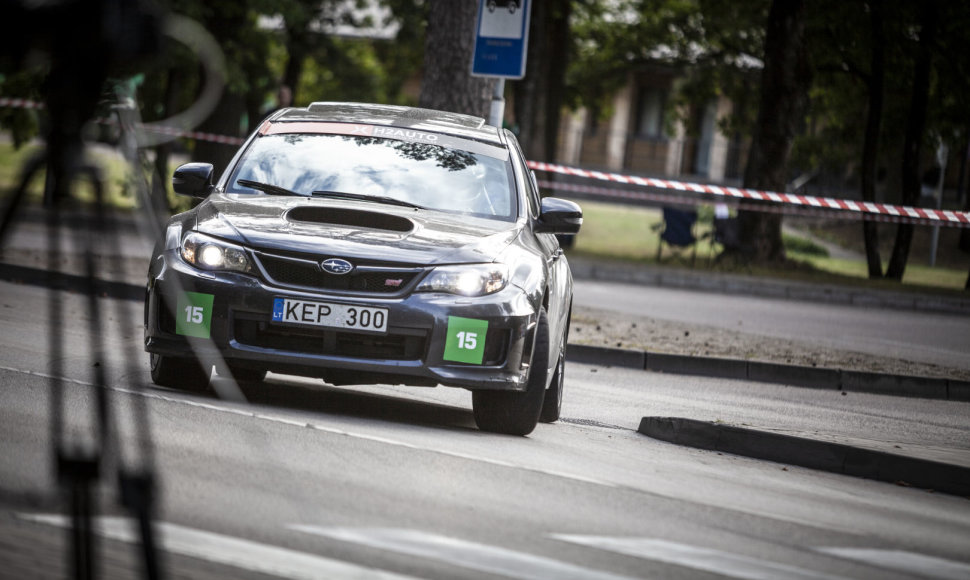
(705, 559)
(230, 551)
(461, 553)
(910, 562)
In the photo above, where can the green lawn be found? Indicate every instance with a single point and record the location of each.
(628, 233)
(115, 174)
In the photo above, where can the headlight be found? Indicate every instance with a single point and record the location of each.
(211, 254)
(470, 280)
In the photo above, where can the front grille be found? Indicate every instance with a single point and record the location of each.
(395, 345)
(305, 273)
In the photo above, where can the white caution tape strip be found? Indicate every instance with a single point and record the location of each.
(748, 198)
(867, 211)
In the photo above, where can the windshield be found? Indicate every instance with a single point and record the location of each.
(424, 174)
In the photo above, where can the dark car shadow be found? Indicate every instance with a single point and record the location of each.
(293, 394)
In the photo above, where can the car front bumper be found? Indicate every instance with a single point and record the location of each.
(240, 327)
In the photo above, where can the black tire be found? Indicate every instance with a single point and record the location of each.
(178, 373)
(244, 375)
(552, 402)
(517, 412)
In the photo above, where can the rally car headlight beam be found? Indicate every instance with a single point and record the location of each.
(467, 280)
(208, 253)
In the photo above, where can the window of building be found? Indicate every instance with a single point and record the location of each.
(650, 112)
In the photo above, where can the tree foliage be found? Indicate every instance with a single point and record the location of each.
(854, 133)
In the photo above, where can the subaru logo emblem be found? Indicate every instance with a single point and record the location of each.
(337, 266)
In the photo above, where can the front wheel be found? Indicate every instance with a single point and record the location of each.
(178, 373)
(517, 412)
(552, 402)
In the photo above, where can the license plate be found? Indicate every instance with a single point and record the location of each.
(330, 315)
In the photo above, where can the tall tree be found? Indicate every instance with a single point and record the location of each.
(449, 43)
(539, 96)
(849, 51)
(233, 25)
(875, 86)
(784, 100)
(915, 129)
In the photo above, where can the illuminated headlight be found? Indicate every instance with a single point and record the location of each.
(470, 280)
(211, 254)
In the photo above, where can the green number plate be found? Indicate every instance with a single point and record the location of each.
(466, 340)
(193, 315)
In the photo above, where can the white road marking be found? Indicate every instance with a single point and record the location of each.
(324, 429)
(489, 559)
(715, 561)
(228, 550)
(910, 562)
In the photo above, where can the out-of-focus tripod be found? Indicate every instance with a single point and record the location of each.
(83, 41)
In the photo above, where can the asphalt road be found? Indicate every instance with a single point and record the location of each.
(942, 339)
(310, 481)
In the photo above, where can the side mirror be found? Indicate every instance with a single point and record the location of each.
(193, 179)
(559, 216)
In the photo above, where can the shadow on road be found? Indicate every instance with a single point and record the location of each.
(283, 393)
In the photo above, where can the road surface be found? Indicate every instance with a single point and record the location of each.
(308, 480)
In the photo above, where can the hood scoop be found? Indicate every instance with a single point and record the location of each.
(350, 218)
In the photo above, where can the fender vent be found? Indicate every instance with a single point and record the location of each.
(351, 218)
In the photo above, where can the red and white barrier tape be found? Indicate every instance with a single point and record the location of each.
(857, 209)
(800, 204)
(673, 199)
(20, 103)
(175, 132)
(163, 129)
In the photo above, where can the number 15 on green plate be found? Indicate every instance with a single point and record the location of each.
(466, 340)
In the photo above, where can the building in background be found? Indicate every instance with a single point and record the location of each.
(640, 136)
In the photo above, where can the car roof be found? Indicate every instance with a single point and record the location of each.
(414, 118)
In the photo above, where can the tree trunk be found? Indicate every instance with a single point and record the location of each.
(538, 97)
(965, 232)
(915, 127)
(227, 117)
(160, 177)
(225, 120)
(784, 100)
(296, 51)
(870, 148)
(448, 84)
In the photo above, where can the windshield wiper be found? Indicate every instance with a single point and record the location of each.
(269, 188)
(362, 197)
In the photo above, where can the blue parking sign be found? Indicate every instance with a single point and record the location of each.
(501, 38)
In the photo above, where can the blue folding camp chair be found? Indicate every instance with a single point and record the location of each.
(677, 231)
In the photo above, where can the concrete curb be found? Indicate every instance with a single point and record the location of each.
(810, 453)
(764, 372)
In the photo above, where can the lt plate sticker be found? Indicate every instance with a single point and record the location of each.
(466, 340)
(193, 316)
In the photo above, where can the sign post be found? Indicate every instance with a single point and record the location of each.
(501, 39)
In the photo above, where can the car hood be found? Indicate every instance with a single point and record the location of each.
(351, 229)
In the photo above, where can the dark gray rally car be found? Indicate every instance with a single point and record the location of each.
(369, 244)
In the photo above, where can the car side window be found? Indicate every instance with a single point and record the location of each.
(532, 191)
